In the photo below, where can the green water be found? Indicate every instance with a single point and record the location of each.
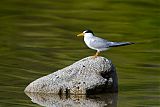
(38, 37)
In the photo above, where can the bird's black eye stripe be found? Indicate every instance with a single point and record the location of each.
(88, 31)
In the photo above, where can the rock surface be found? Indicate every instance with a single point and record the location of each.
(87, 76)
(53, 100)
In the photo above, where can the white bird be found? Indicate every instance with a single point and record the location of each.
(99, 44)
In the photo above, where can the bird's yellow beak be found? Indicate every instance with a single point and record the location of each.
(81, 34)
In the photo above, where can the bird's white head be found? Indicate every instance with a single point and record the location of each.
(86, 33)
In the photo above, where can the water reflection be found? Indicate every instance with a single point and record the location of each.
(52, 100)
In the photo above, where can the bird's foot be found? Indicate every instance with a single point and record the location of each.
(96, 55)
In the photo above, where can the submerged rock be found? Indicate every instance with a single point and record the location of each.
(87, 76)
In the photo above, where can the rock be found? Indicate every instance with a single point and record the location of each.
(87, 76)
(53, 100)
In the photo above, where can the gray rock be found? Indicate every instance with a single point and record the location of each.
(53, 100)
(87, 76)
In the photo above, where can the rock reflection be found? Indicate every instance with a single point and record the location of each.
(52, 100)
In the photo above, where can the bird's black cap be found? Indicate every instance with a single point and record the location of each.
(88, 31)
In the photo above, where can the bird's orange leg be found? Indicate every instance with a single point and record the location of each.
(95, 56)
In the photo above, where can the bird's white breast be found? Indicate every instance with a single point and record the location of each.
(88, 40)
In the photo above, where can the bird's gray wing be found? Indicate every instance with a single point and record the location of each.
(116, 44)
(97, 42)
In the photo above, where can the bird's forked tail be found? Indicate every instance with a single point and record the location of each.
(116, 44)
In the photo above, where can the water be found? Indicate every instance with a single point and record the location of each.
(39, 37)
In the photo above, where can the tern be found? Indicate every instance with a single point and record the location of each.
(99, 44)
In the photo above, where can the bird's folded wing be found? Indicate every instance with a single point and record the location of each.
(97, 42)
(116, 44)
